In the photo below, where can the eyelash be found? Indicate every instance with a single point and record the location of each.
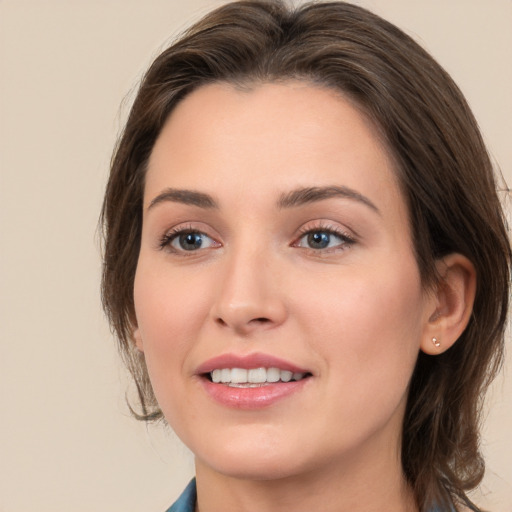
(169, 237)
(347, 240)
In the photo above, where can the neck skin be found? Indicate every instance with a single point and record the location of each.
(368, 480)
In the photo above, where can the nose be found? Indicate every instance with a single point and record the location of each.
(250, 297)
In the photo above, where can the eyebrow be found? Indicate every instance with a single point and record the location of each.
(184, 196)
(306, 195)
(291, 199)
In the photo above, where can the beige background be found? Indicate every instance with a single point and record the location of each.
(66, 439)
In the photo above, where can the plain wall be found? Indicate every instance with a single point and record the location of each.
(66, 439)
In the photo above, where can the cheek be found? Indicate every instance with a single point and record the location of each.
(368, 334)
(170, 311)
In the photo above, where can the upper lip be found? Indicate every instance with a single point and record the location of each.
(248, 362)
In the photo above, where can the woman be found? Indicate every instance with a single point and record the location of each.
(306, 263)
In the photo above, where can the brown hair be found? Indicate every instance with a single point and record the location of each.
(442, 164)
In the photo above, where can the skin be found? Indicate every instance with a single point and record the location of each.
(354, 314)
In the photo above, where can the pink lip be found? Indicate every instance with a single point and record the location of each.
(247, 362)
(249, 398)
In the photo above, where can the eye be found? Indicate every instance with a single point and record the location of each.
(187, 240)
(319, 239)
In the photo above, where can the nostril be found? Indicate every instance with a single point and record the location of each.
(261, 320)
(252, 322)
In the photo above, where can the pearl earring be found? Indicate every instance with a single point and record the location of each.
(435, 342)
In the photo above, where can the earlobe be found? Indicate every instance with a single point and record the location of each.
(137, 339)
(452, 304)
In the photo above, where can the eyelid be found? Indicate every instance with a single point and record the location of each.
(348, 237)
(170, 235)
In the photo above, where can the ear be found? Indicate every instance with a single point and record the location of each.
(137, 339)
(451, 305)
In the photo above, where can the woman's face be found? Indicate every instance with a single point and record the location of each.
(275, 237)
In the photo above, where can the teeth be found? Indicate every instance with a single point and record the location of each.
(257, 376)
(286, 376)
(273, 374)
(238, 375)
(254, 376)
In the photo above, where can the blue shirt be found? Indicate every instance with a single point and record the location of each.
(187, 501)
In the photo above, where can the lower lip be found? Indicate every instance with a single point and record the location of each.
(251, 398)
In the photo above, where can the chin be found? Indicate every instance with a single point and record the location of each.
(256, 470)
(253, 462)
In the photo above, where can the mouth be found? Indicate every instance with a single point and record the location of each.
(252, 381)
(253, 377)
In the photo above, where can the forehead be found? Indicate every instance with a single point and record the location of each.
(273, 137)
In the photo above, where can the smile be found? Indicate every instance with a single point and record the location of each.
(251, 381)
(254, 377)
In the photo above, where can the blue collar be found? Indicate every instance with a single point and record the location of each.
(187, 501)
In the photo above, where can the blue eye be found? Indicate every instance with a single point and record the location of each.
(187, 240)
(323, 239)
(318, 240)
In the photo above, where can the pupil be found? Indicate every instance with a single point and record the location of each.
(318, 240)
(191, 241)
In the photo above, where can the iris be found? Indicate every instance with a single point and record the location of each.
(190, 241)
(319, 239)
